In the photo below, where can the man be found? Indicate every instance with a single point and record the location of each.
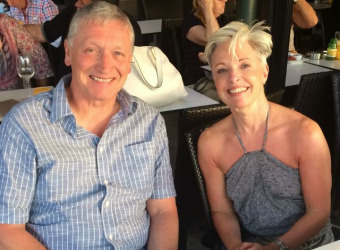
(50, 31)
(303, 16)
(32, 11)
(86, 166)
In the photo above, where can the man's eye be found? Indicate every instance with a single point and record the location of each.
(90, 50)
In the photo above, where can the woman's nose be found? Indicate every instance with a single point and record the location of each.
(234, 75)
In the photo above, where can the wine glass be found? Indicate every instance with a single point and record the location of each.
(25, 69)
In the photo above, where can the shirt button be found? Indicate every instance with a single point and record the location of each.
(110, 237)
(107, 203)
(101, 150)
(106, 182)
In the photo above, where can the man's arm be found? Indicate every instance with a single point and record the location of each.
(163, 232)
(303, 15)
(36, 32)
(16, 237)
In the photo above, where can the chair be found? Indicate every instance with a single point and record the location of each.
(192, 202)
(171, 41)
(162, 9)
(336, 152)
(210, 238)
(316, 99)
(189, 202)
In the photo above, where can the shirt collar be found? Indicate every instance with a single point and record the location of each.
(60, 108)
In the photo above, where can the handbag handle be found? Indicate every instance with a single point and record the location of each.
(156, 62)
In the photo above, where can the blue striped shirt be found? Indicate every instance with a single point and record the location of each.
(73, 189)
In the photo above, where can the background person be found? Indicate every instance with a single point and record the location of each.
(32, 11)
(14, 40)
(197, 28)
(58, 27)
(267, 168)
(87, 163)
(303, 16)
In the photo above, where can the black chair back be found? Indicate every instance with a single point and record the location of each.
(314, 99)
(162, 9)
(171, 41)
(336, 152)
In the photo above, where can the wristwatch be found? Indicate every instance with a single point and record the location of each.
(281, 244)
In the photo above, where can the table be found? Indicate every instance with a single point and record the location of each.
(296, 70)
(331, 246)
(151, 27)
(193, 99)
(15, 96)
(325, 63)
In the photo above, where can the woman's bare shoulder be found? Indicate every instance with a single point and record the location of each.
(295, 125)
(218, 130)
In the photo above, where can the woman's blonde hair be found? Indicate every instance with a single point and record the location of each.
(237, 33)
(196, 8)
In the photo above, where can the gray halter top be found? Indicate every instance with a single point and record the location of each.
(267, 195)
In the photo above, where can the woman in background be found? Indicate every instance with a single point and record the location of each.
(14, 40)
(267, 168)
(197, 28)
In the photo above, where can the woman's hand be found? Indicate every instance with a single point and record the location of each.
(206, 5)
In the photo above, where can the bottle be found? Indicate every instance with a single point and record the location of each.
(331, 50)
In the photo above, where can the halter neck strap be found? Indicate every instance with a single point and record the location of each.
(264, 137)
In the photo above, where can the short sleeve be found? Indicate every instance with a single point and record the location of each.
(17, 173)
(163, 183)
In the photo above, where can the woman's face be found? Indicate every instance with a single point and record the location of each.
(239, 80)
(20, 4)
(219, 6)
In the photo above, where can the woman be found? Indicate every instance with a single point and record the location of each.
(15, 40)
(197, 27)
(266, 167)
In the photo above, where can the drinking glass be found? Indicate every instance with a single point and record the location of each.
(337, 36)
(25, 69)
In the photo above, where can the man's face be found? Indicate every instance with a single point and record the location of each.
(20, 4)
(100, 57)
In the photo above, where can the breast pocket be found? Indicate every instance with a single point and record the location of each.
(140, 161)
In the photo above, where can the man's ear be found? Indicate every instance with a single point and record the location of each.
(67, 54)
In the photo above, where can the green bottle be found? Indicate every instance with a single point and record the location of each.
(331, 50)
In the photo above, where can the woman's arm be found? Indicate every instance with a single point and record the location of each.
(303, 15)
(315, 172)
(200, 34)
(223, 215)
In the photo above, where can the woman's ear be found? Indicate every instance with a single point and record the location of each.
(265, 73)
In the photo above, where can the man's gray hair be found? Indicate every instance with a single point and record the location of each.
(237, 33)
(99, 12)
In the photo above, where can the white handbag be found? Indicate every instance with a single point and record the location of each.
(153, 78)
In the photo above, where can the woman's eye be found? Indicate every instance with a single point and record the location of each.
(220, 71)
(245, 65)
